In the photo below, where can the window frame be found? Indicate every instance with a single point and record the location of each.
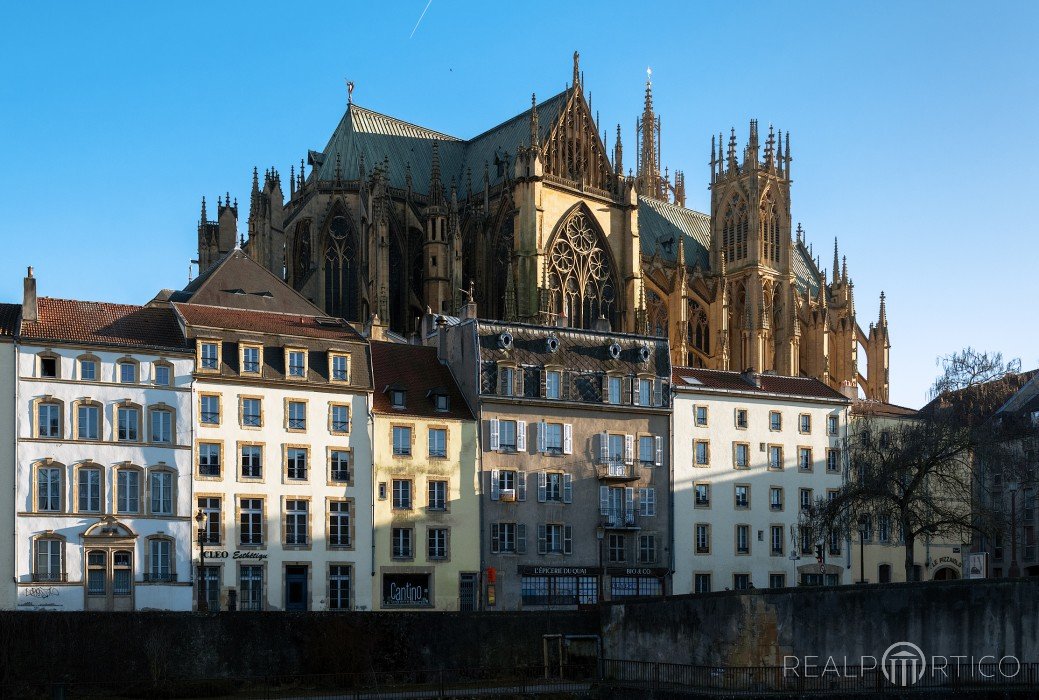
(203, 362)
(290, 368)
(332, 480)
(243, 362)
(294, 450)
(735, 455)
(242, 416)
(332, 371)
(124, 362)
(219, 455)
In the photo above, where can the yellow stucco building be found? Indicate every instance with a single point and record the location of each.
(426, 512)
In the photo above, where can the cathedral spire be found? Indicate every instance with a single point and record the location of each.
(436, 187)
(577, 70)
(648, 177)
(787, 168)
(203, 220)
(844, 269)
(836, 262)
(732, 149)
(534, 127)
(256, 179)
(770, 147)
(618, 154)
(883, 312)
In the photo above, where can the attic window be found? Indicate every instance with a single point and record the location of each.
(233, 291)
(328, 321)
(441, 402)
(615, 351)
(265, 294)
(397, 397)
(48, 367)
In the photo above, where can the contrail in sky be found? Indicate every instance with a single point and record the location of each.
(420, 18)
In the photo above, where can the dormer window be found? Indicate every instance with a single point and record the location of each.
(440, 400)
(340, 368)
(209, 355)
(49, 366)
(552, 384)
(296, 363)
(397, 397)
(251, 359)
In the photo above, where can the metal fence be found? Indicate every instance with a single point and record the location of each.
(834, 680)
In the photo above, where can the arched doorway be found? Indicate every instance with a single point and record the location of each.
(945, 573)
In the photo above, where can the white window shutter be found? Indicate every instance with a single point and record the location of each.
(635, 390)
(542, 544)
(494, 538)
(604, 447)
(659, 441)
(642, 501)
(521, 538)
(495, 435)
(521, 486)
(495, 486)
(568, 488)
(518, 387)
(568, 539)
(658, 392)
(629, 449)
(541, 437)
(542, 486)
(649, 501)
(568, 438)
(604, 500)
(605, 388)
(521, 436)
(629, 502)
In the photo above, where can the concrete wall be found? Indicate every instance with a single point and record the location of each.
(155, 646)
(761, 627)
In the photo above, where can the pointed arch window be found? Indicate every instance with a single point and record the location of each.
(769, 229)
(734, 230)
(699, 334)
(656, 314)
(580, 274)
(301, 254)
(341, 269)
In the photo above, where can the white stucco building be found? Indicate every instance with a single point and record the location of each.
(102, 476)
(282, 465)
(750, 450)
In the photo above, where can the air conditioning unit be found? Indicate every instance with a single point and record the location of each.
(507, 495)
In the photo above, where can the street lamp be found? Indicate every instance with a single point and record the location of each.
(1014, 570)
(200, 521)
(600, 533)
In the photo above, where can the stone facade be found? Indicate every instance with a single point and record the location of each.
(538, 219)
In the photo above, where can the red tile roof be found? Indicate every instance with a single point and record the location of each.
(416, 369)
(879, 408)
(776, 384)
(267, 322)
(9, 319)
(101, 323)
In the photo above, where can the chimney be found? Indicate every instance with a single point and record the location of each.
(469, 311)
(30, 310)
(441, 338)
(849, 390)
(751, 377)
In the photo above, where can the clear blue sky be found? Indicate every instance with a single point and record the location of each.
(913, 128)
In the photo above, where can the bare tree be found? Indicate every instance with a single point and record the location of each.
(919, 474)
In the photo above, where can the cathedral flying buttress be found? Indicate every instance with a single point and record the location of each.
(537, 218)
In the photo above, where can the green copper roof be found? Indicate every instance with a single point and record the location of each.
(362, 132)
(661, 224)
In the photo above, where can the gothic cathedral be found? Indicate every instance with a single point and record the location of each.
(539, 220)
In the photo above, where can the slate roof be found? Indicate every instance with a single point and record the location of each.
(310, 326)
(660, 222)
(416, 369)
(238, 281)
(375, 136)
(695, 378)
(104, 324)
(879, 408)
(9, 319)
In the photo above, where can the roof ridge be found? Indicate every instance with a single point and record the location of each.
(258, 311)
(92, 301)
(674, 205)
(401, 121)
(514, 117)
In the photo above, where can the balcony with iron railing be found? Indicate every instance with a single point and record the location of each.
(617, 471)
(620, 519)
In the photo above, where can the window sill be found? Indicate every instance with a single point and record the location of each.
(297, 547)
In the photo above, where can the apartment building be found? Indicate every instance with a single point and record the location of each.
(574, 463)
(282, 448)
(102, 478)
(427, 536)
(751, 451)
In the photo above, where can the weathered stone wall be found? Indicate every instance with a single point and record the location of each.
(88, 647)
(760, 627)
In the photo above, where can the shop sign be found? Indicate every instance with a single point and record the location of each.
(405, 590)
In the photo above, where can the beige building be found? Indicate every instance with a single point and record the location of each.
(282, 448)
(751, 452)
(538, 215)
(427, 537)
(574, 459)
